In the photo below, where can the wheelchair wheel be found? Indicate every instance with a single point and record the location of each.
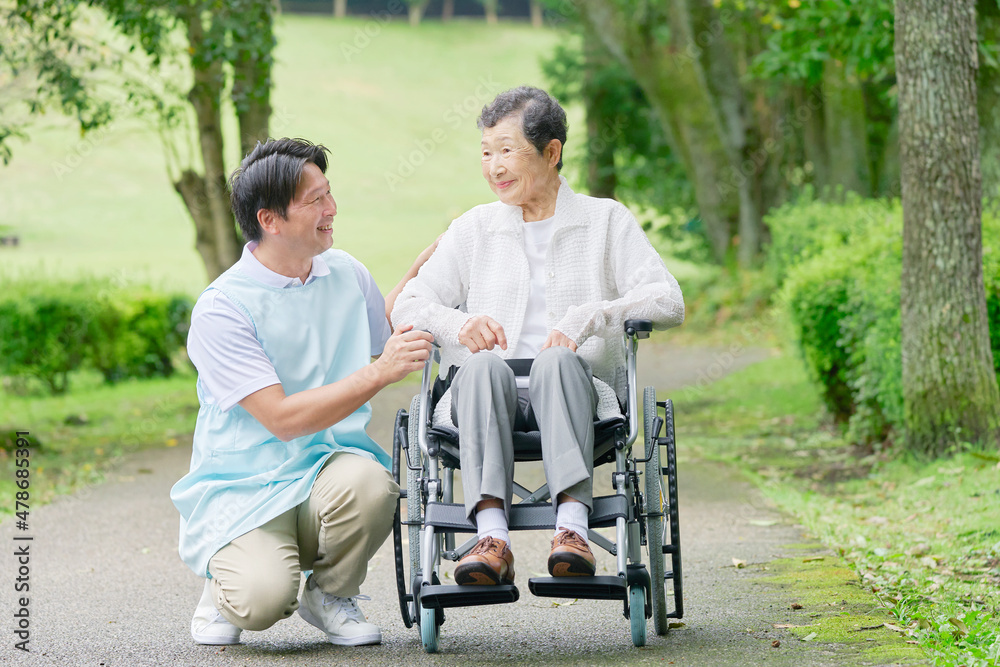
(637, 614)
(430, 631)
(654, 505)
(406, 606)
(414, 492)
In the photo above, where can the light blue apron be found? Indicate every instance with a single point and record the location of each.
(242, 476)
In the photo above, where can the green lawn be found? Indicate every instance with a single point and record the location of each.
(396, 105)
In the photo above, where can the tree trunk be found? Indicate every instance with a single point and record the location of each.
(447, 10)
(218, 241)
(988, 87)
(844, 122)
(252, 77)
(602, 135)
(339, 8)
(537, 15)
(949, 385)
(693, 87)
(491, 7)
(809, 114)
(721, 81)
(416, 11)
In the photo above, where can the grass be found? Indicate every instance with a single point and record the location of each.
(826, 604)
(79, 437)
(922, 536)
(396, 105)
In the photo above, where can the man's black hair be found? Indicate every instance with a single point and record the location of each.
(267, 178)
(542, 119)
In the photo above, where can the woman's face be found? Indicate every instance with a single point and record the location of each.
(512, 166)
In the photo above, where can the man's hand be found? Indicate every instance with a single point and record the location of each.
(404, 352)
(557, 338)
(482, 332)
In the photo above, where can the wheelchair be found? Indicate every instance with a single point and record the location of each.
(642, 510)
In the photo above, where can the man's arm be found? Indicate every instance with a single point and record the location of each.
(313, 410)
(390, 298)
(429, 300)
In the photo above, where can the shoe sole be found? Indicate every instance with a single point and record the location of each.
(479, 574)
(571, 566)
(212, 640)
(360, 640)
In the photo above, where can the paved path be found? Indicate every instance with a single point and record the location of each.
(107, 587)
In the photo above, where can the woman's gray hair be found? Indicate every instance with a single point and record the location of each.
(542, 119)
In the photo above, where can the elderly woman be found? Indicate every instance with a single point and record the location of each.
(546, 274)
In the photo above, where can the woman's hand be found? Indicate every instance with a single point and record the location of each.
(482, 332)
(557, 338)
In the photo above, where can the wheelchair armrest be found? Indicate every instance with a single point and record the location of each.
(638, 328)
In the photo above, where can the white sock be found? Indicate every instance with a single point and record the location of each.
(492, 522)
(572, 516)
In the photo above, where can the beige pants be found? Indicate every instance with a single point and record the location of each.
(255, 578)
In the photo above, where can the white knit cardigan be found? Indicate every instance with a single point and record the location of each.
(600, 270)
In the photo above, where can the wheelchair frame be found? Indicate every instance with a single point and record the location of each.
(640, 511)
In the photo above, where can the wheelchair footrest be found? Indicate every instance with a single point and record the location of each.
(443, 596)
(586, 588)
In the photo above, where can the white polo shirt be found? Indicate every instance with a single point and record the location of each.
(223, 347)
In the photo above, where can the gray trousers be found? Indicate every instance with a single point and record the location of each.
(561, 404)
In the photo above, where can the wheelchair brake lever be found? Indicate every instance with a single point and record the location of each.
(654, 441)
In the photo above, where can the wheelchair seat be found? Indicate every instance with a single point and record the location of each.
(527, 444)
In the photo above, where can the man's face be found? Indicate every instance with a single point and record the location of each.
(307, 229)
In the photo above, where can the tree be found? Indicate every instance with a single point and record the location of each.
(415, 9)
(225, 48)
(694, 88)
(949, 386)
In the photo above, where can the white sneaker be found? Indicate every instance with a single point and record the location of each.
(340, 618)
(208, 626)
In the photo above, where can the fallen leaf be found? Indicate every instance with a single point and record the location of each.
(796, 605)
(962, 630)
(894, 628)
(737, 563)
(762, 522)
(808, 638)
(674, 626)
(782, 626)
(775, 644)
(812, 559)
(924, 481)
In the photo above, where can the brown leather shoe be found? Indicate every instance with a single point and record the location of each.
(489, 563)
(571, 556)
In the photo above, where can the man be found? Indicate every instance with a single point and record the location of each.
(284, 478)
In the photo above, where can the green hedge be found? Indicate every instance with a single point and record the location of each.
(843, 293)
(49, 330)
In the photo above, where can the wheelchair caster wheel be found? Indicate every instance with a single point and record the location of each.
(637, 614)
(429, 630)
